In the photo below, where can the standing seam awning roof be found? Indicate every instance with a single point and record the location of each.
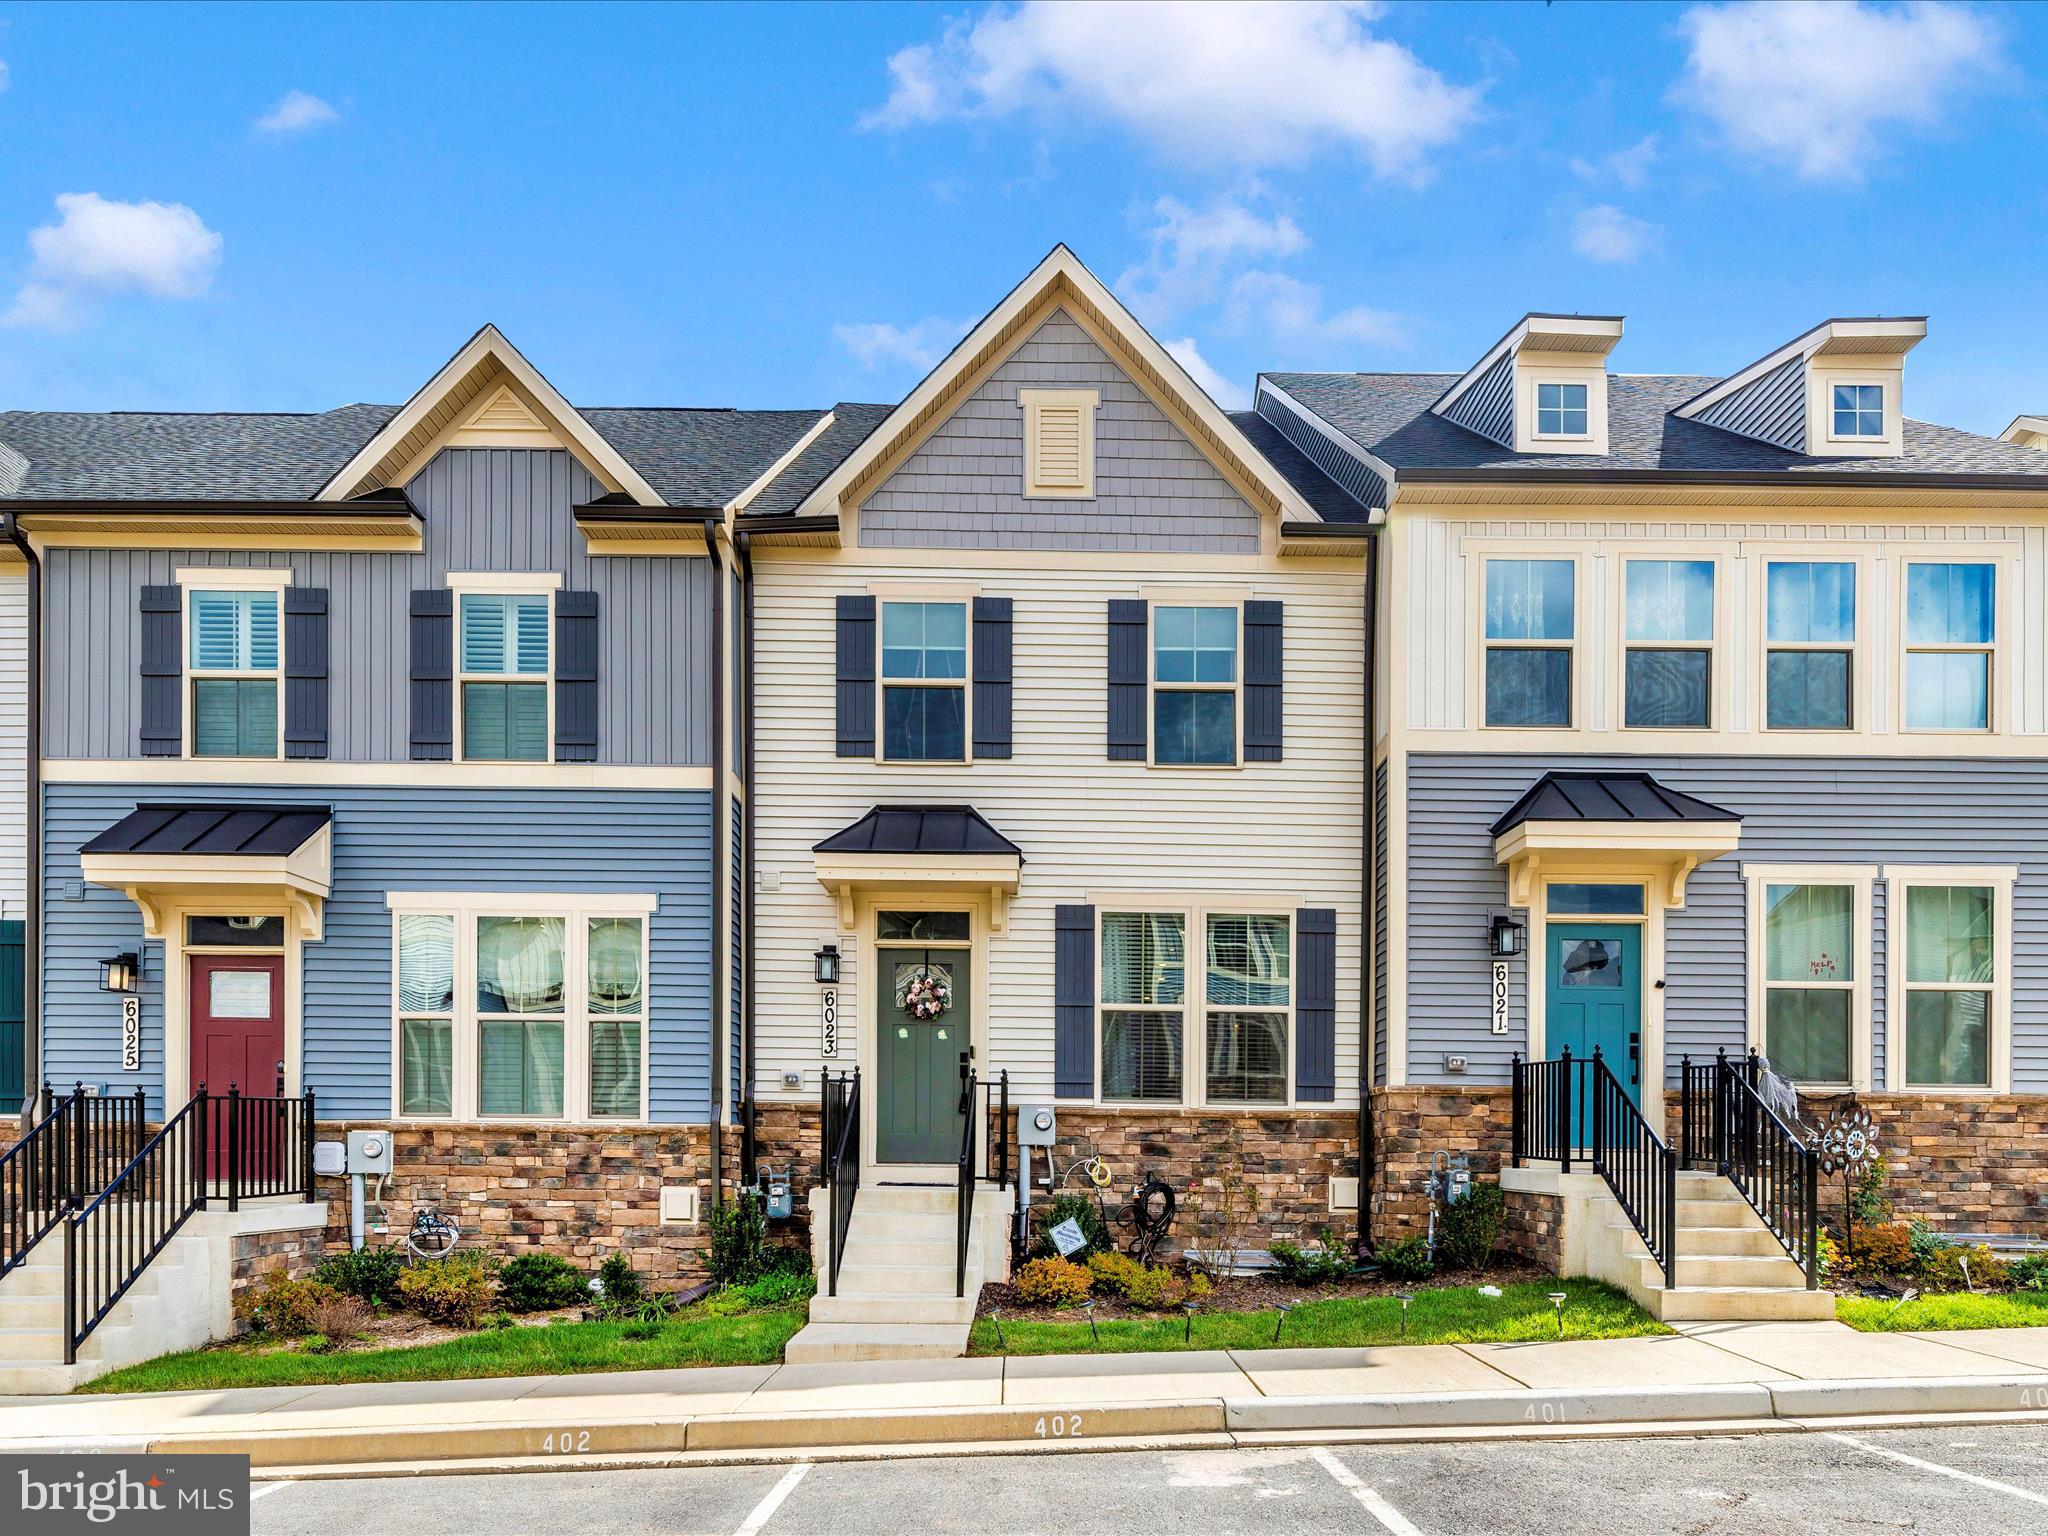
(1595, 796)
(920, 829)
(255, 831)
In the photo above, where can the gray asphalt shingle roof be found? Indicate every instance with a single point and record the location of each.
(700, 457)
(1388, 414)
(1331, 501)
(852, 423)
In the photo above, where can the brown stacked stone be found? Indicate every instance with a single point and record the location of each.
(1534, 1229)
(256, 1254)
(1412, 1124)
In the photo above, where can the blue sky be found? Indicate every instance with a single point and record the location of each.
(292, 208)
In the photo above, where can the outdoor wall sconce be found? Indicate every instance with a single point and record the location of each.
(120, 973)
(826, 965)
(1504, 938)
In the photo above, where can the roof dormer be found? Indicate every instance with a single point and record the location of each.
(1542, 388)
(1832, 393)
(2027, 431)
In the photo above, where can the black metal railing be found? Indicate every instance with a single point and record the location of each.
(1639, 1169)
(112, 1240)
(970, 1138)
(1768, 1162)
(252, 1148)
(1551, 1110)
(1699, 1120)
(78, 1143)
(840, 1133)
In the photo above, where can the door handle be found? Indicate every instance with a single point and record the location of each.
(1635, 1058)
(280, 1079)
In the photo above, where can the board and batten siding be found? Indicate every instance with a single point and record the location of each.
(1433, 579)
(1855, 811)
(1154, 490)
(484, 509)
(1087, 827)
(625, 841)
(13, 743)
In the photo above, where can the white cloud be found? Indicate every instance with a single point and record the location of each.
(1604, 233)
(98, 247)
(1809, 84)
(877, 345)
(6, 79)
(1237, 81)
(1630, 167)
(1277, 305)
(1192, 248)
(295, 112)
(1218, 388)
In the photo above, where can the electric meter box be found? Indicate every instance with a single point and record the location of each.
(369, 1151)
(1036, 1125)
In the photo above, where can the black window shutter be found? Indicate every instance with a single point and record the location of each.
(992, 677)
(575, 677)
(305, 672)
(1315, 1005)
(856, 676)
(433, 675)
(1262, 664)
(163, 673)
(1127, 679)
(1073, 997)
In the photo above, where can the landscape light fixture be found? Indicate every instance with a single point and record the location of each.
(1557, 1301)
(1404, 1298)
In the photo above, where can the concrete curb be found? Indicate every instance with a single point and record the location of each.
(1591, 1405)
(1909, 1394)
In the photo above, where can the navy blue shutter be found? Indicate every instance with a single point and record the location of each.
(305, 672)
(1073, 999)
(575, 677)
(1128, 675)
(1262, 665)
(856, 677)
(433, 675)
(992, 677)
(163, 672)
(1315, 1004)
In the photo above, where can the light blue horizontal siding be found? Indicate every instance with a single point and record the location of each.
(395, 840)
(1861, 811)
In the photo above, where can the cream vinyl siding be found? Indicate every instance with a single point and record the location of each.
(1286, 832)
(13, 743)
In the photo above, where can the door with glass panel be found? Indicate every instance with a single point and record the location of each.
(1593, 993)
(924, 978)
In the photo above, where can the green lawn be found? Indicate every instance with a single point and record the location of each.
(694, 1337)
(2020, 1309)
(1450, 1316)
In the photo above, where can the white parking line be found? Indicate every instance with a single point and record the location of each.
(267, 1489)
(1934, 1466)
(765, 1510)
(1375, 1505)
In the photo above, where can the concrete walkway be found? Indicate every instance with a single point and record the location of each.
(1725, 1375)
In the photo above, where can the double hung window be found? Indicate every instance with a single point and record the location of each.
(1235, 1012)
(506, 657)
(1194, 685)
(1809, 980)
(1951, 984)
(1809, 645)
(924, 682)
(1950, 633)
(1529, 628)
(1669, 636)
(233, 666)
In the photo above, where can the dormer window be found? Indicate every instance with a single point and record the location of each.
(1560, 410)
(1859, 410)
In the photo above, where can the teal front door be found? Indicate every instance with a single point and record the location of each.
(917, 1061)
(1595, 996)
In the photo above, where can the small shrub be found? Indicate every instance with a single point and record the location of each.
(497, 1320)
(1324, 1264)
(1870, 1202)
(368, 1273)
(739, 1241)
(1078, 1208)
(620, 1283)
(1198, 1285)
(2028, 1272)
(786, 1259)
(282, 1307)
(338, 1316)
(1467, 1229)
(1953, 1267)
(457, 1290)
(1924, 1243)
(1112, 1273)
(1156, 1289)
(1827, 1253)
(541, 1282)
(1407, 1259)
(1880, 1250)
(1057, 1281)
(778, 1288)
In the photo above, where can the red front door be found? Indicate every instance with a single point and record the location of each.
(237, 1025)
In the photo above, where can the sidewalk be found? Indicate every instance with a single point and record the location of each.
(1709, 1377)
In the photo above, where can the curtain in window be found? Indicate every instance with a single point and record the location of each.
(1528, 599)
(521, 1067)
(1809, 937)
(1949, 604)
(615, 1067)
(1948, 1023)
(519, 964)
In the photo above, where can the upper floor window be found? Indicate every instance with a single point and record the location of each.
(505, 667)
(1809, 642)
(1669, 668)
(924, 682)
(1529, 642)
(234, 672)
(1950, 629)
(1561, 410)
(1859, 410)
(1194, 685)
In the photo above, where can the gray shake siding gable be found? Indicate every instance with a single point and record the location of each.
(1861, 811)
(963, 488)
(484, 510)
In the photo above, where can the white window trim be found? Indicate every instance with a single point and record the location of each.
(1884, 388)
(885, 593)
(1035, 400)
(1475, 704)
(1859, 878)
(466, 907)
(1195, 1007)
(517, 584)
(2001, 586)
(261, 579)
(1533, 368)
(1623, 646)
(1536, 413)
(1859, 707)
(1900, 878)
(1155, 599)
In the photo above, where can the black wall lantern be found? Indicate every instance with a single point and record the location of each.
(120, 974)
(1504, 938)
(826, 965)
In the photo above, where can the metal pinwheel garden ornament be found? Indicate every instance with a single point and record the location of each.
(1846, 1143)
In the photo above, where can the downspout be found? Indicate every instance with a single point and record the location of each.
(743, 560)
(32, 925)
(1368, 1156)
(720, 892)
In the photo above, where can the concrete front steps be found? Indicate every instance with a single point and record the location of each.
(1730, 1266)
(897, 1297)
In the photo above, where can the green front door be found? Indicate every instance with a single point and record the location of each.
(1595, 996)
(917, 1065)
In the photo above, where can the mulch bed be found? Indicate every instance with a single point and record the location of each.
(1254, 1293)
